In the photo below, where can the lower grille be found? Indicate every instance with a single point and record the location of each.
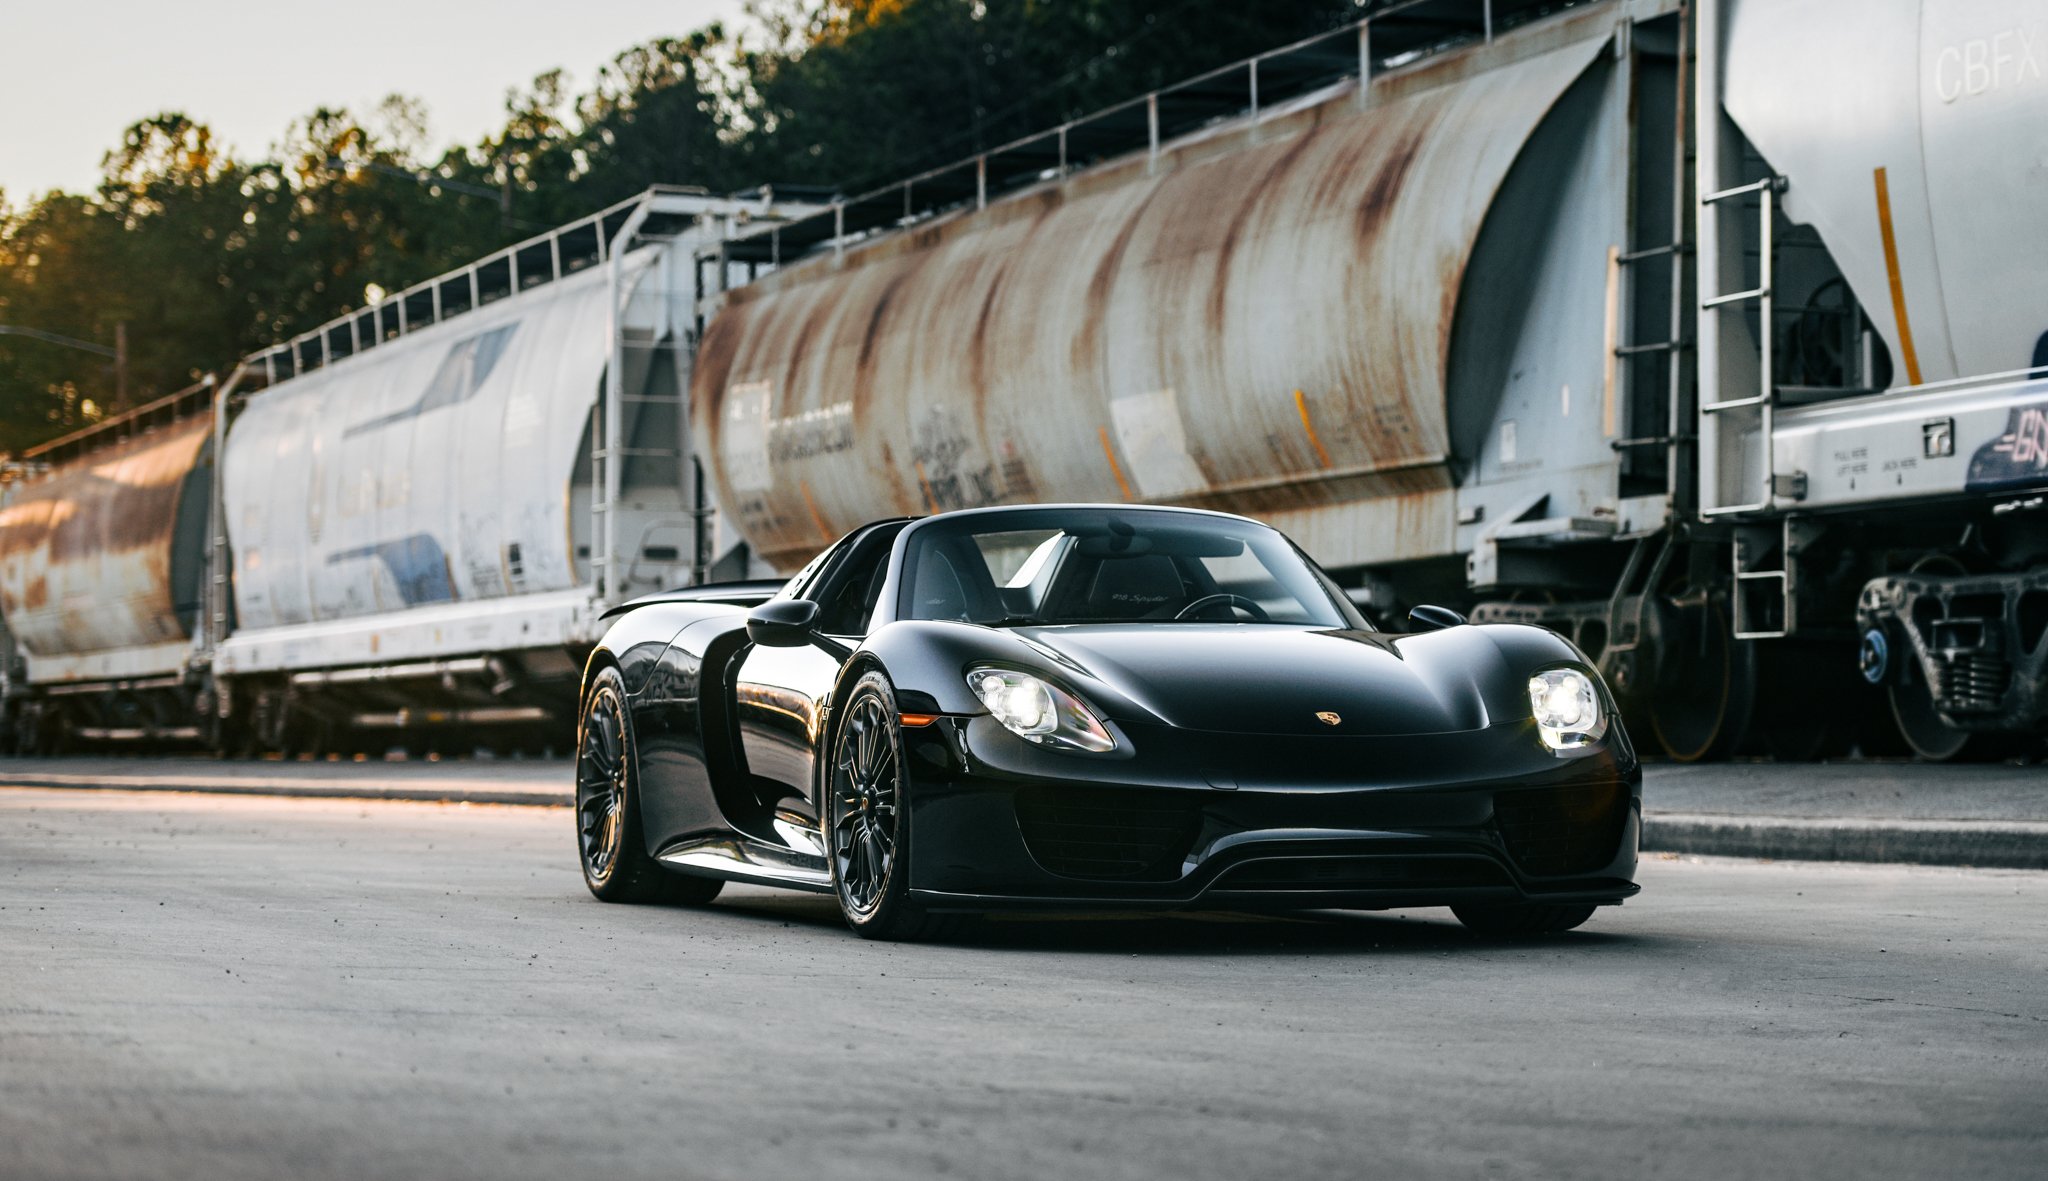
(1108, 834)
(1361, 873)
(1560, 830)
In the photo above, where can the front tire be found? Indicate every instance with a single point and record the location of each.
(868, 820)
(609, 844)
(1520, 918)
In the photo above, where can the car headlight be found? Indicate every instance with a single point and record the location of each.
(1567, 709)
(1039, 711)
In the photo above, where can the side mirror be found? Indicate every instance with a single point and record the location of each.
(1429, 618)
(782, 623)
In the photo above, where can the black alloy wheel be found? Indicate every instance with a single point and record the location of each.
(616, 865)
(864, 806)
(868, 820)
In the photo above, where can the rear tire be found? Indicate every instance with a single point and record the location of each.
(610, 845)
(867, 822)
(1521, 918)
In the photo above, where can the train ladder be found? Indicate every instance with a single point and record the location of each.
(617, 425)
(1763, 596)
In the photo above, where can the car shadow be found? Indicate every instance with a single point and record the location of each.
(1204, 933)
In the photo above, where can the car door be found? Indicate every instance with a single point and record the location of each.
(780, 695)
(682, 730)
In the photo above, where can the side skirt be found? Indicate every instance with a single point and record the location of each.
(741, 859)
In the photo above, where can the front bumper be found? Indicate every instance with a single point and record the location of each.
(1185, 819)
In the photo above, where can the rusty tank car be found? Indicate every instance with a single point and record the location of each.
(103, 549)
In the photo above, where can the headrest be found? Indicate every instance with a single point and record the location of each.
(937, 590)
(1135, 588)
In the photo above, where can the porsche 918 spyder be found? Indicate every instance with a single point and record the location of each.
(1095, 706)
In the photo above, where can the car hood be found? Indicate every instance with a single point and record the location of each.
(1274, 679)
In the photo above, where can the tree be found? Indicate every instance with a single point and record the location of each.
(660, 112)
(938, 80)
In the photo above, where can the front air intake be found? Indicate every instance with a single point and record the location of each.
(1108, 834)
(1552, 831)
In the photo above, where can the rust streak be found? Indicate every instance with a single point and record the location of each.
(1109, 453)
(1255, 194)
(1088, 343)
(817, 518)
(978, 362)
(878, 316)
(1301, 406)
(1378, 201)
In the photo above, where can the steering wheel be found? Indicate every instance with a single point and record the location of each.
(1251, 606)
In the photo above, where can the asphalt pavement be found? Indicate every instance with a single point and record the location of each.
(219, 986)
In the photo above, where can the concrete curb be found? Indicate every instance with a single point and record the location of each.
(1985, 844)
(425, 793)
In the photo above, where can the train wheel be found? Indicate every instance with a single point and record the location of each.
(53, 734)
(1912, 699)
(1704, 692)
(31, 732)
(303, 736)
(1870, 727)
(1920, 723)
(1806, 695)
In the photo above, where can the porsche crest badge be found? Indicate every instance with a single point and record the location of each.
(1327, 718)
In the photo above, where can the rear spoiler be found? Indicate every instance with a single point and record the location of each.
(741, 593)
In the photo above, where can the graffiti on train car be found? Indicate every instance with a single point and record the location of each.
(2017, 458)
(418, 566)
(462, 373)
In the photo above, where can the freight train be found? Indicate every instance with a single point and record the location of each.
(1713, 335)
(401, 527)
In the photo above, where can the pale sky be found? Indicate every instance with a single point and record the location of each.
(74, 73)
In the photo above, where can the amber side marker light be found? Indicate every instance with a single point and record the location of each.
(917, 719)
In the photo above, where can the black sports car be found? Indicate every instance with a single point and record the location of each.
(1089, 706)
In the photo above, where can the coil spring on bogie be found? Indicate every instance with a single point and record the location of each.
(1972, 684)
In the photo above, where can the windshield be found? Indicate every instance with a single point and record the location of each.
(1056, 566)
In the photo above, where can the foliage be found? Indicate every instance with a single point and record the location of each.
(939, 80)
(205, 257)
